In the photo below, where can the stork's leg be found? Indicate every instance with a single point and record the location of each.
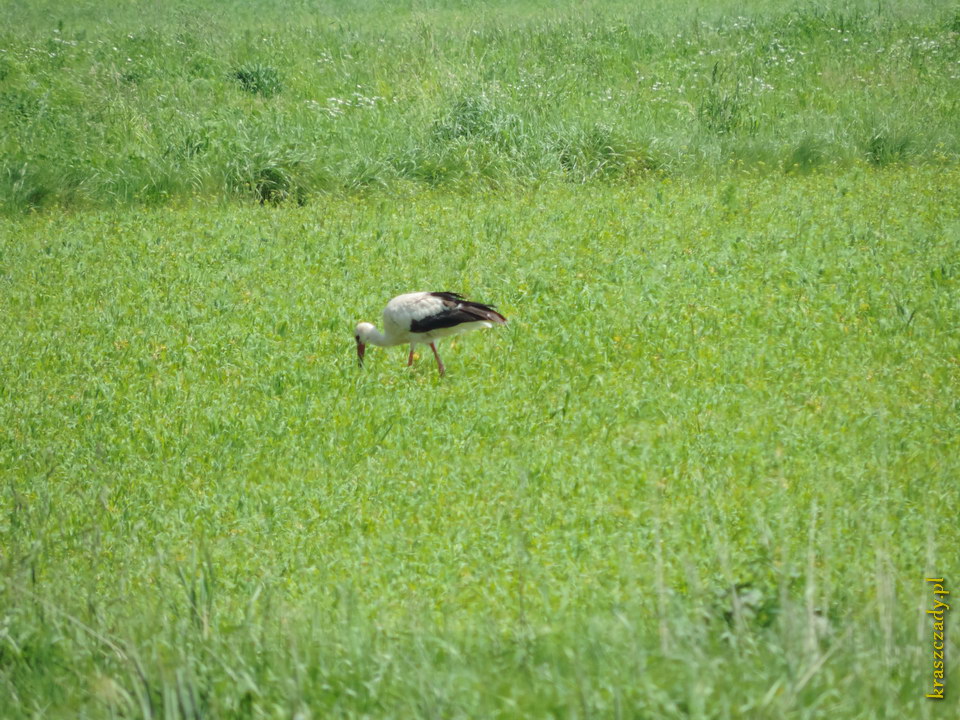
(439, 361)
(410, 357)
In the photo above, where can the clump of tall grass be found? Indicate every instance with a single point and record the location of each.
(724, 106)
(268, 175)
(810, 153)
(600, 152)
(258, 79)
(474, 138)
(24, 187)
(884, 147)
(475, 116)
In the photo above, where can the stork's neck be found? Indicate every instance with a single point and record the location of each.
(375, 337)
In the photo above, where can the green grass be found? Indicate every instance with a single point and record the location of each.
(278, 102)
(208, 510)
(702, 473)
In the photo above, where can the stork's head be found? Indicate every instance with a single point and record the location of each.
(361, 334)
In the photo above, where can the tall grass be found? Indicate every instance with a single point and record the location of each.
(280, 101)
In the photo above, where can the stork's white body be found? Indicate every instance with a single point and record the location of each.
(424, 317)
(407, 309)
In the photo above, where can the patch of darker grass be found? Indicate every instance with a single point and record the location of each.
(886, 147)
(259, 79)
(600, 151)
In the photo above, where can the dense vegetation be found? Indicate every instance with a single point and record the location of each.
(283, 101)
(702, 473)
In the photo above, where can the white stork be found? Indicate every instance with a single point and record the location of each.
(424, 317)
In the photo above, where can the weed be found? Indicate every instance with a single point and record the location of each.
(885, 147)
(269, 175)
(598, 152)
(723, 106)
(809, 154)
(24, 187)
(258, 79)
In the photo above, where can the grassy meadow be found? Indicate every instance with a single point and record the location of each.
(101, 104)
(702, 473)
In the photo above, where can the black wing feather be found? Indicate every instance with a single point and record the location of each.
(449, 296)
(456, 312)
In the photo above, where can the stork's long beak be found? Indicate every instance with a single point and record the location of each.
(361, 349)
